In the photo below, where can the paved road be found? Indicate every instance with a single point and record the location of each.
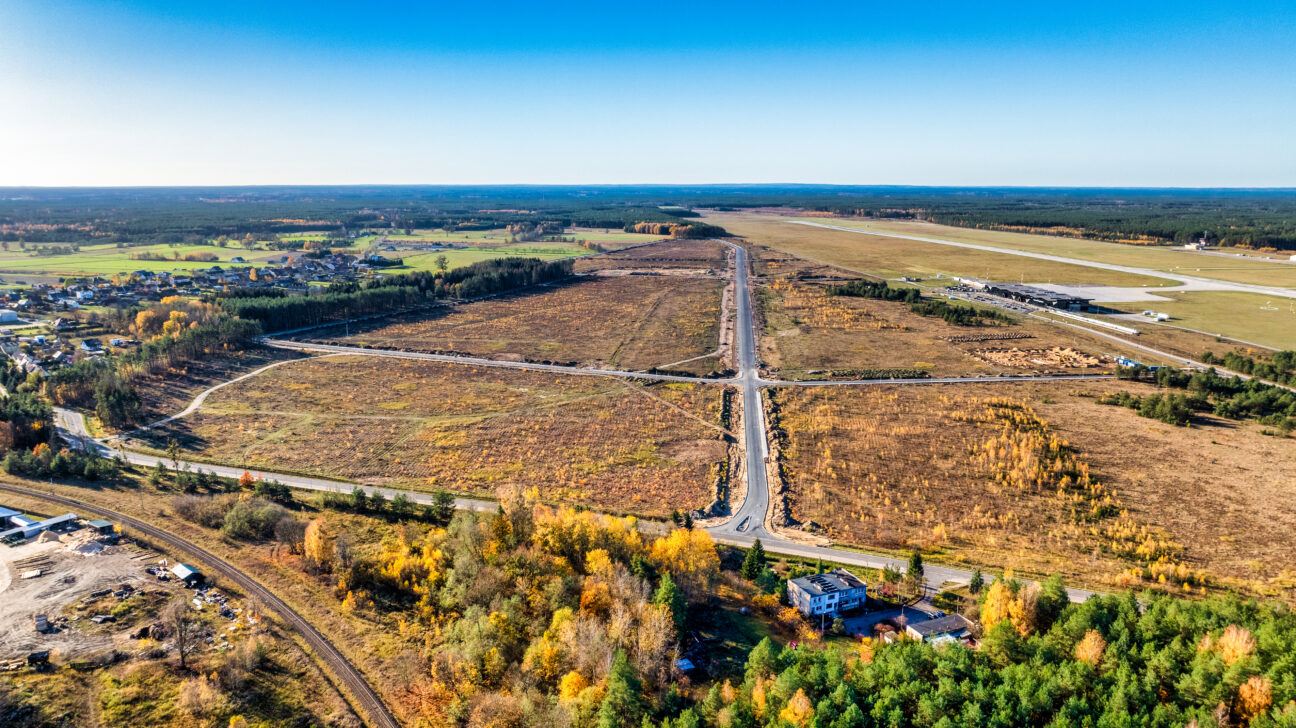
(748, 521)
(371, 704)
(1196, 282)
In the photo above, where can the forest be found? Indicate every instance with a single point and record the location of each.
(277, 312)
(954, 314)
(1251, 218)
(1124, 660)
(1232, 397)
(538, 617)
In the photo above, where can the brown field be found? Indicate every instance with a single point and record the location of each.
(984, 474)
(628, 322)
(167, 392)
(426, 425)
(811, 335)
(699, 255)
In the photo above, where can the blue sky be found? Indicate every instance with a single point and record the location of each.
(1087, 94)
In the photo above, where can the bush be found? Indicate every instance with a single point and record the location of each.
(253, 520)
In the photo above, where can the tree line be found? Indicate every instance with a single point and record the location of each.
(955, 314)
(392, 293)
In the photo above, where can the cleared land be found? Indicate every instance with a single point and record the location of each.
(1041, 477)
(892, 257)
(107, 678)
(627, 322)
(167, 392)
(809, 334)
(1238, 269)
(674, 255)
(425, 425)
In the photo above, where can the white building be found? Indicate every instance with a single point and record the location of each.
(828, 593)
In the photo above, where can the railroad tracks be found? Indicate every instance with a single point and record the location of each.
(371, 705)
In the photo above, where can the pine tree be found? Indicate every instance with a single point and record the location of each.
(672, 598)
(755, 561)
(623, 706)
(915, 572)
(688, 521)
(977, 583)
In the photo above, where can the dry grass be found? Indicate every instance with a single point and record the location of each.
(938, 467)
(670, 254)
(631, 322)
(167, 392)
(809, 334)
(426, 425)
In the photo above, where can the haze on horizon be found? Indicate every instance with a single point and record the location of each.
(1187, 94)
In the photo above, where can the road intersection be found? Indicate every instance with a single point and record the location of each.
(749, 519)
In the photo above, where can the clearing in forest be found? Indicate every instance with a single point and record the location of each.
(626, 322)
(1040, 477)
(809, 334)
(598, 441)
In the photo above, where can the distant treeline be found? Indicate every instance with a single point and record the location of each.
(952, 313)
(1256, 218)
(278, 313)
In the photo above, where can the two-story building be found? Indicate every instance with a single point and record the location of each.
(829, 593)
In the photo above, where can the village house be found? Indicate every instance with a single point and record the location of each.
(829, 593)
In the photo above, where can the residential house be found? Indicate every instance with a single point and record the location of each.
(829, 593)
(950, 628)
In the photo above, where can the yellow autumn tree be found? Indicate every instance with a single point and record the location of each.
(798, 709)
(571, 685)
(1255, 696)
(1091, 647)
(318, 544)
(690, 556)
(1235, 644)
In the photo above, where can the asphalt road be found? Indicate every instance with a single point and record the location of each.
(371, 704)
(1197, 282)
(748, 521)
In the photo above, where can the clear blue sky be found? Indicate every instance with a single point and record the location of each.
(961, 93)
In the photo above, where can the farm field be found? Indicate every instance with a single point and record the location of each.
(590, 440)
(678, 255)
(105, 260)
(1041, 477)
(1260, 319)
(892, 258)
(459, 258)
(627, 322)
(1238, 269)
(501, 236)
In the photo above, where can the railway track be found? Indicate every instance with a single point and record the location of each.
(377, 713)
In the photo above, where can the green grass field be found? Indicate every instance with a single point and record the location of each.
(460, 258)
(893, 257)
(105, 260)
(611, 237)
(1247, 316)
(1238, 269)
